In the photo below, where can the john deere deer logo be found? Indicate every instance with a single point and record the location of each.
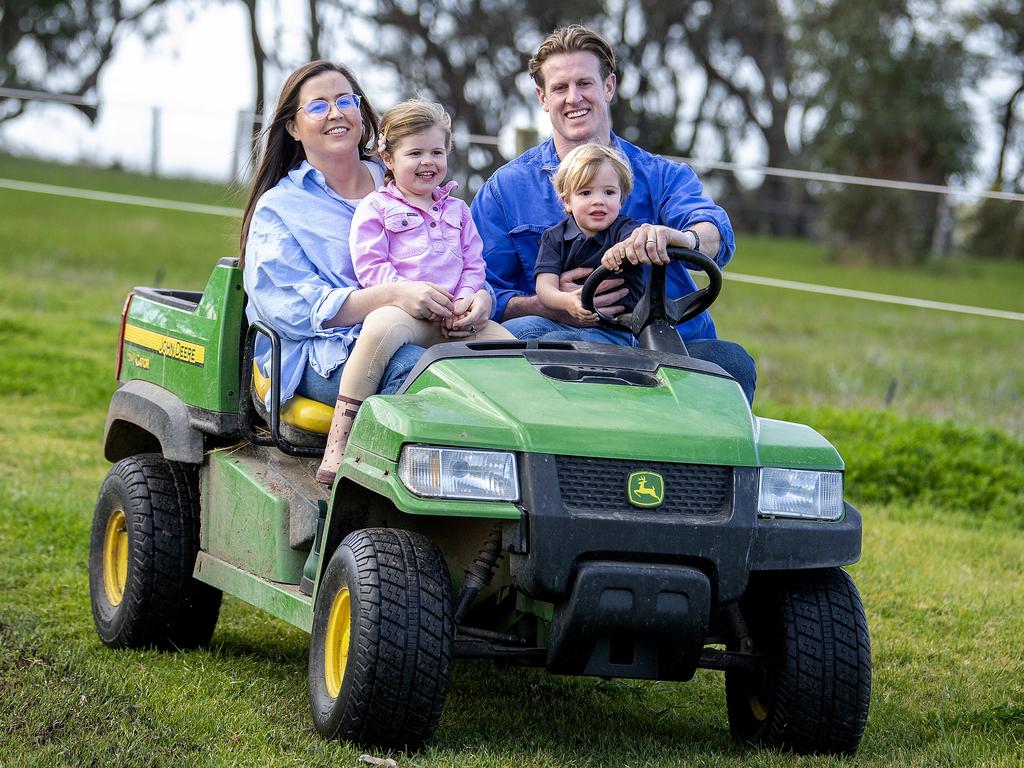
(646, 489)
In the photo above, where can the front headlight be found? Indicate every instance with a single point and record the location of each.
(455, 473)
(800, 493)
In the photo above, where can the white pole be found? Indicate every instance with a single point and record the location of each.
(154, 144)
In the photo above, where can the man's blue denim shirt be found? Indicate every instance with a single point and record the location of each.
(518, 203)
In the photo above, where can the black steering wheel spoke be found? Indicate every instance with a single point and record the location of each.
(676, 309)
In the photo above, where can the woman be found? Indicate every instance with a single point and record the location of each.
(294, 245)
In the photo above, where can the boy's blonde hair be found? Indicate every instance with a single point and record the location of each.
(408, 118)
(581, 165)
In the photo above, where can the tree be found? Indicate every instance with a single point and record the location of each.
(683, 69)
(63, 45)
(466, 54)
(998, 225)
(259, 69)
(891, 107)
(754, 75)
(1003, 24)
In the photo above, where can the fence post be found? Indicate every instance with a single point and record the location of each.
(242, 147)
(525, 138)
(154, 142)
(942, 235)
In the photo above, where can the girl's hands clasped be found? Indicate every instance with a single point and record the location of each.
(424, 300)
(469, 316)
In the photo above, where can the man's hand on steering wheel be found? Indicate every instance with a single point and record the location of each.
(647, 245)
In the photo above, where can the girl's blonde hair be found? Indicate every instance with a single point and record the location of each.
(581, 165)
(407, 119)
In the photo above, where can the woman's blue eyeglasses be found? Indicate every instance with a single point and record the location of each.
(319, 109)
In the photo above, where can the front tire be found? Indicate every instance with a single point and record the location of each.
(381, 643)
(142, 551)
(813, 694)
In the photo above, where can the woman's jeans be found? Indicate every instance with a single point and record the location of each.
(316, 387)
(727, 355)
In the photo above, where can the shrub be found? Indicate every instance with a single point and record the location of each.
(950, 468)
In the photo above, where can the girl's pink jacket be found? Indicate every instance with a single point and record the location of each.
(391, 239)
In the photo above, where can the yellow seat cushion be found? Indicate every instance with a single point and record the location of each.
(300, 412)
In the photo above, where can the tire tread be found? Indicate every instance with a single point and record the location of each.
(163, 606)
(399, 676)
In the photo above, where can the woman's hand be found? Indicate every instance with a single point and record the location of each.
(476, 310)
(423, 300)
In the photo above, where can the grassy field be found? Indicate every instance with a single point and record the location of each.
(924, 406)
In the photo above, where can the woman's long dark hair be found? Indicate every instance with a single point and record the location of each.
(282, 152)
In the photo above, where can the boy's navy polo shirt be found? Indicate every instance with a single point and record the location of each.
(564, 247)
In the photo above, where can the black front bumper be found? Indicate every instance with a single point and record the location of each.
(634, 589)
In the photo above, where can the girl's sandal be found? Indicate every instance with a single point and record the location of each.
(326, 476)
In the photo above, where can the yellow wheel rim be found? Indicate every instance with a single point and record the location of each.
(336, 646)
(757, 707)
(115, 557)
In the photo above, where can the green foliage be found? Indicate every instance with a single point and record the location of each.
(893, 103)
(997, 230)
(936, 467)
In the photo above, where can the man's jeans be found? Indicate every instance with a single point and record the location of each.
(727, 355)
(553, 331)
(316, 387)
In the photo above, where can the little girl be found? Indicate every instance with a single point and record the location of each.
(410, 229)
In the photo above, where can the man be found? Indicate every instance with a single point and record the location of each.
(574, 73)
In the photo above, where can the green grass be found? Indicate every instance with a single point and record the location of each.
(941, 575)
(816, 350)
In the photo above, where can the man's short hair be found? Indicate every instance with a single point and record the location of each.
(582, 164)
(570, 39)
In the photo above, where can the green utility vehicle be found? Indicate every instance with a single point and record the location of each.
(594, 510)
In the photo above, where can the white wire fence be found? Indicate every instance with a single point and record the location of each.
(185, 141)
(158, 148)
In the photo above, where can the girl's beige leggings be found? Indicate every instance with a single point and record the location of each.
(384, 331)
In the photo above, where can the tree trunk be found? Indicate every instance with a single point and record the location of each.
(259, 59)
(1007, 126)
(314, 31)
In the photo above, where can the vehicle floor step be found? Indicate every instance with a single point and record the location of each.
(293, 479)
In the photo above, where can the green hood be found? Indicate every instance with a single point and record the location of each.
(506, 403)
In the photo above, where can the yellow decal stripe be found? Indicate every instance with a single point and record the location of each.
(176, 349)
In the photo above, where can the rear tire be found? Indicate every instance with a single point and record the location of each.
(813, 695)
(381, 643)
(142, 551)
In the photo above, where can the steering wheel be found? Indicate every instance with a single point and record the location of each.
(654, 305)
